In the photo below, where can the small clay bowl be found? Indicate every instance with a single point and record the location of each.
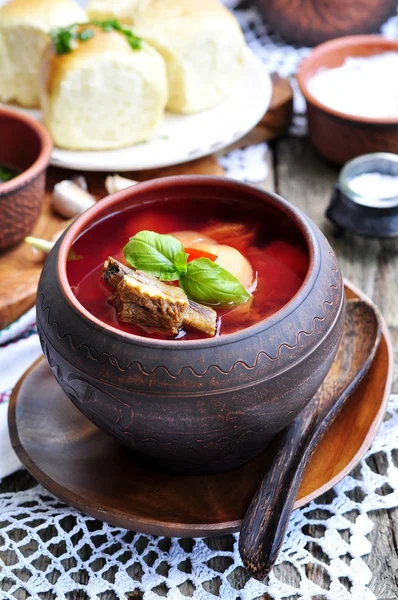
(339, 137)
(312, 22)
(26, 146)
(199, 405)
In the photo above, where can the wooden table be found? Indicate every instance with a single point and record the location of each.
(298, 174)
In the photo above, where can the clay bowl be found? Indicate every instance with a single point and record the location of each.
(337, 136)
(25, 145)
(312, 22)
(199, 405)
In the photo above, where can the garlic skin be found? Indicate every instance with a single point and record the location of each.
(71, 200)
(115, 183)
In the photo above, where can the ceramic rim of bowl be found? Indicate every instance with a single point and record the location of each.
(305, 72)
(162, 185)
(43, 158)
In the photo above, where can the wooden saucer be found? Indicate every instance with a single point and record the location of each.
(88, 470)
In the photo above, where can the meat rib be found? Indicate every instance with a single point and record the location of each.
(144, 300)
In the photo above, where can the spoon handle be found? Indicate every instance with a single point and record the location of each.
(267, 518)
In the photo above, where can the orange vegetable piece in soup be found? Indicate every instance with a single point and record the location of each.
(195, 253)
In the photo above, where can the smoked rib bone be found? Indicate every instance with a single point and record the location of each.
(142, 299)
(149, 304)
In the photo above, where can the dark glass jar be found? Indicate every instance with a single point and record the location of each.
(372, 214)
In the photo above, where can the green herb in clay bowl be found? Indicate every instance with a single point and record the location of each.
(66, 39)
(168, 286)
(7, 173)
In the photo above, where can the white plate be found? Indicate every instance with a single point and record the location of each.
(183, 137)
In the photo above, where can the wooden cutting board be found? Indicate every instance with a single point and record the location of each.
(20, 267)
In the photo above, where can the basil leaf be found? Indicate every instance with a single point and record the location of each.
(209, 283)
(156, 254)
(181, 262)
(6, 174)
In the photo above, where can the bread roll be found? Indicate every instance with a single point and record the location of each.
(203, 47)
(103, 94)
(24, 27)
(200, 40)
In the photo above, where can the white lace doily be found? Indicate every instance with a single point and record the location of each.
(247, 164)
(34, 525)
(46, 547)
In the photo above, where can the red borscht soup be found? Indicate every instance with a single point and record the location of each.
(273, 245)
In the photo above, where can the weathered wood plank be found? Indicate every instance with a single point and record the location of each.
(307, 181)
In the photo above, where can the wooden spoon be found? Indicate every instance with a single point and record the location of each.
(267, 518)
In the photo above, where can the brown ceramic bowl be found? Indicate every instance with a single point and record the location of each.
(199, 405)
(312, 22)
(25, 145)
(337, 136)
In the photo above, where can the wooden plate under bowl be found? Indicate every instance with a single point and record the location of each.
(88, 470)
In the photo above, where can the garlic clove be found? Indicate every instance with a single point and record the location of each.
(81, 181)
(115, 183)
(70, 200)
